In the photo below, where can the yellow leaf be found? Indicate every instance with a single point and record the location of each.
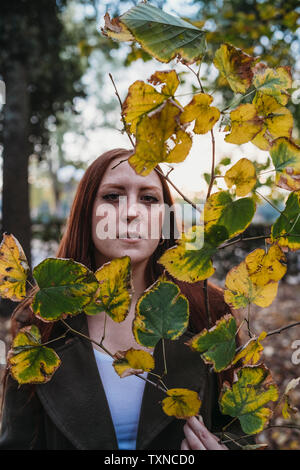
(265, 267)
(273, 82)
(115, 289)
(181, 402)
(235, 66)
(133, 361)
(13, 269)
(167, 77)
(241, 291)
(114, 29)
(252, 350)
(277, 121)
(159, 139)
(245, 124)
(243, 175)
(199, 108)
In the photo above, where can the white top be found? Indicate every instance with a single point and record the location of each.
(124, 396)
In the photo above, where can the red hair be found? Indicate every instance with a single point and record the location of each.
(77, 244)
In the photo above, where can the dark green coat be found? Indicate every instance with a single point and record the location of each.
(71, 411)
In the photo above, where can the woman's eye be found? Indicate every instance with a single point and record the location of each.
(111, 196)
(151, 198)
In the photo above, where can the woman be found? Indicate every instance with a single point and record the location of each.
(83, 406)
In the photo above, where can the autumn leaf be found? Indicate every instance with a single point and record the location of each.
(143, 98)
(277, 121)
(245, 124)
(13, 269)
(181, 402)
(28, 360)
(251, 352)
(65, 287)
(199, 109)
(265, 267)
(247, 397)
(285, 155)
(162, 35)
(242, 175)
(241, 291)
(161, 312)
(288, 409)
(222, 210)
(169, 143)
(115, 291)
(286, 229)
(133, 361)
(273, 82)
(217, 345)
(234, 65)
(190, 260)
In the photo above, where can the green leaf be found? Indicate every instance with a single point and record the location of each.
(235, 216)
(287, 226)
(286, 159)
(248, 396)
(161, 312)
(217, 345)
(28, 360)
(162, 35)
(66, 286)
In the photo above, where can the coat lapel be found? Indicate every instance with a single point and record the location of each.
(76, 402)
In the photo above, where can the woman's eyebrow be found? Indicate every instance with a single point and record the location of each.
(120, 186)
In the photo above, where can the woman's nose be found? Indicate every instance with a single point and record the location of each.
(131, 208)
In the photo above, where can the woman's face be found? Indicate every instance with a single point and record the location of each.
(128, 213)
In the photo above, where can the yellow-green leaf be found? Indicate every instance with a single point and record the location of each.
(277, 121)
(190, 260)
(243, 175)
(161, 312)
(235, 66)
(273, 82)
(251, 352)
(288, 409)
(13, 269)
(286, 229)
(65, 287)
(222, 210)
(181, 402)
(133, 361)
(265, 267)
(28, 360)
(114, 295)
(169, 143)
(217, 345)
(248, 396)
(285, 155)
(199, 109)
(241, 291)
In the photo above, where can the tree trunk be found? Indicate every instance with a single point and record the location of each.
(16, 151)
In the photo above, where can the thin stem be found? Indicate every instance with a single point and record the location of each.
(248, 321)
(208, 315)
(164, 356)
(27, 280)
(279, 330)
(123, 119)
(109, 353)
(55, 339)
(229, 424)
(269, 202)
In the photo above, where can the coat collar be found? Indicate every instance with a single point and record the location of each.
(76, 402)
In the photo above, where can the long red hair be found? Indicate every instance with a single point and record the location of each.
(77, 244)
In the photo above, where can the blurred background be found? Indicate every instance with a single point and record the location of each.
(59, 112)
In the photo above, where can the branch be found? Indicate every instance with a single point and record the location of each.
(123, 119)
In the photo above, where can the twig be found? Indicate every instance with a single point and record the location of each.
(109, 353)
(123, 119)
